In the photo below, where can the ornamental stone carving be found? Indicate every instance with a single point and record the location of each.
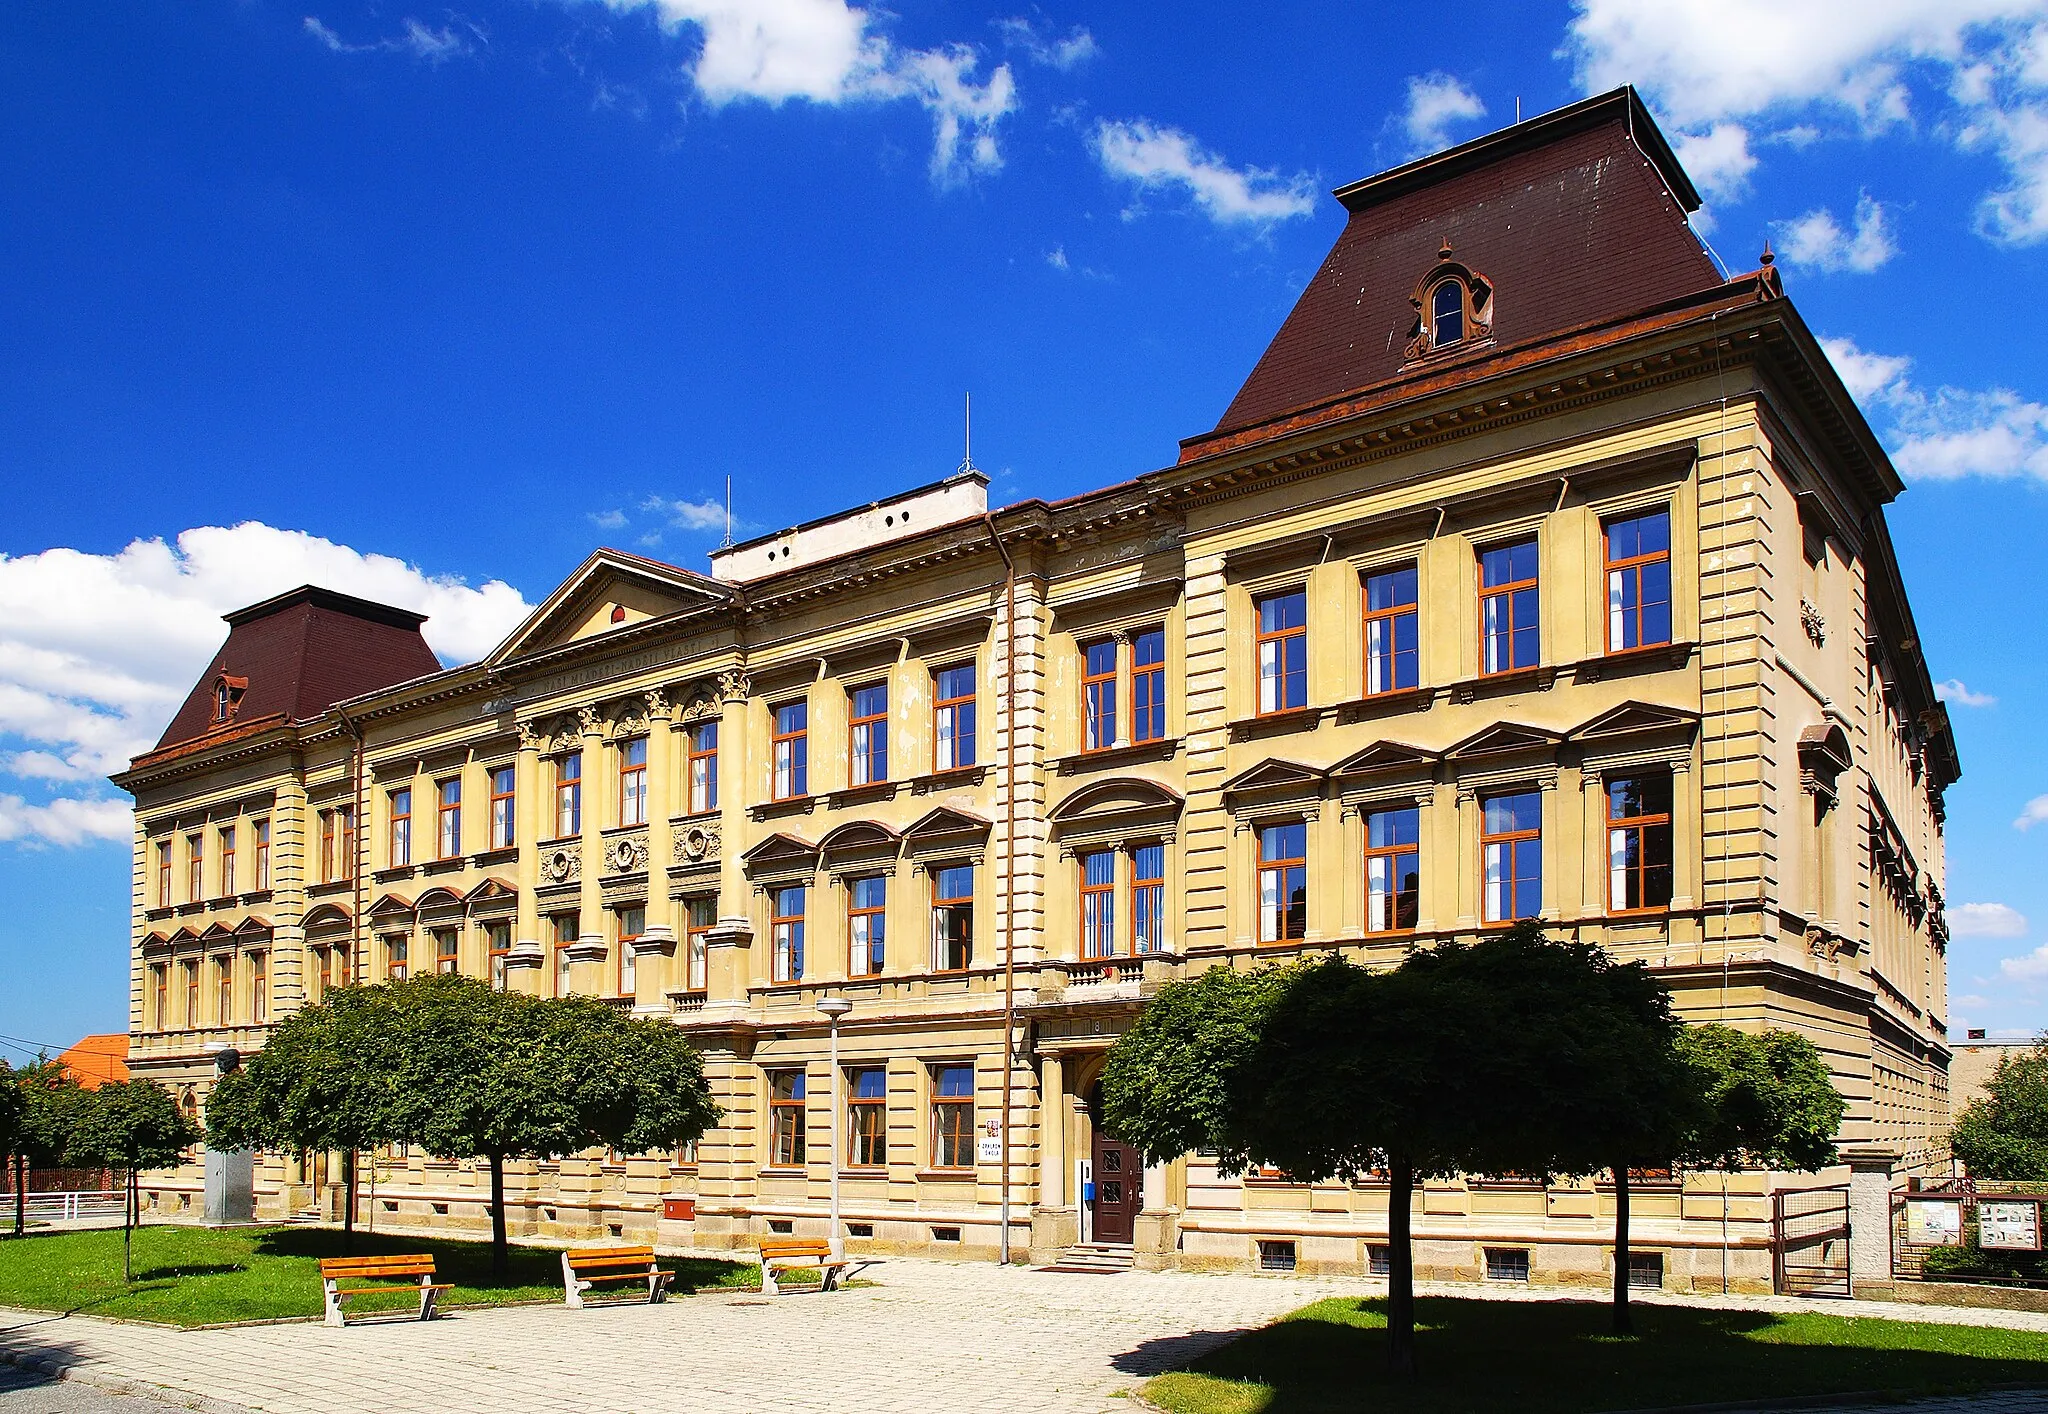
(734, 685)
(563, 864)
(630, 724)
(698, 844)
(529, 737)
(703, 703)
(1816, 627)
(588, 721)
(657, 701)
(626, 854)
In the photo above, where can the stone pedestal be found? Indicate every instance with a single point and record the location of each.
(1870, 1219)
(230, 1186)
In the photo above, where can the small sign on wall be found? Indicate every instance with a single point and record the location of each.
(1934, 1222)
(2011, 1224)
(989, 1149)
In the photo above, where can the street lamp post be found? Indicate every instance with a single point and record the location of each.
(834, 1008)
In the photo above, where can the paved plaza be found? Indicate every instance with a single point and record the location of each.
(930, 1336)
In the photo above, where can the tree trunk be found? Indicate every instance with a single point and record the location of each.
(348, 1210)
(500, 1254)
(20, 1166)
(1622, 1324)
(1400, 1268)
(128, 1228)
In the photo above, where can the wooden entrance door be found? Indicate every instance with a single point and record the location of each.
(1119, 1190)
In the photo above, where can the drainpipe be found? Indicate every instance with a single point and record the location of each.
(1009, 871)
(358, 963)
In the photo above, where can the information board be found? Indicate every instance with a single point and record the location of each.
(1934, 1222)
(2012, 1224)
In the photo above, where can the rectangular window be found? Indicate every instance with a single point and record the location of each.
(568, 927)
(568, 794)
(448, 816)
(447, 951)
(1638, 581)
(868, 735)
(191, 994)
(866, 925)
(1511, 841)
(630, 924)
(953, 918)
(792, 750)
(703, 768)
(401, 828)
(1098, 904)
(504, 807)
(786, 926)
(633, 781)
(1283, 882)
(224, 990)
(1148, 685)
(1283, 651)
(703, 914)
(163, 874)
(1393, 880)
(262, 831)
(953, 1117)
(227, 861)
(159, 996)
(867, 1117)
(1391, 656)
(395, 959)
(953, 718)
(497, 948)
(786, 1118)
(337, 844)
(321, 979)
(259, 988)
(195, 868)
(1639, 842)
(1098, 695)
(1148, 898)
(347, 816)
(1508, 608)
(1507, 1264)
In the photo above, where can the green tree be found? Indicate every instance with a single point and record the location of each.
(13, 1126)
(131, 1125)
(50, 1098)
(327, 1078)
(2003, 1133)
(500, 1076)
(1765, 1101)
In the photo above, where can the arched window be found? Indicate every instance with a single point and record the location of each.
(1446, 314)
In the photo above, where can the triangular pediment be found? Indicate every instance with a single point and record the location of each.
(781, 850)
(252, 924)
(1385, 756)
(1274, 774)
(490, 891)
(1635, 718)
(1503, 737)
(215, 932)
(945, 823)
(609, 592)
(392, 906)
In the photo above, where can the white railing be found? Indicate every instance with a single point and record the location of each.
(70, 1207)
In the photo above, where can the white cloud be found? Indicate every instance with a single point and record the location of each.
(614, 519)
(1435, 101)
(1814, 241)
(1979, 68)
(97, 651)
(452, 41)
(1951, 432)
(2034, 812)
(1986, 920)
(1718, 161)
(687, 515)
(829, 52)
(2032, 967)
(1077, 48)
(1057, 258)
(1157, 158)
(1954, 691)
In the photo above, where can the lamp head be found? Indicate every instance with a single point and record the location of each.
(834, 1007)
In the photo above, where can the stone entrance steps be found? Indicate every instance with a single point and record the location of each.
(1097, 1258)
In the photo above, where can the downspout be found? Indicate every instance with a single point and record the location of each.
(357, 965)
(1009, 872)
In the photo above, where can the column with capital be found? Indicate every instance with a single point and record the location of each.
(525, 966)
(654, 968)
(587, 953)
(730, 956)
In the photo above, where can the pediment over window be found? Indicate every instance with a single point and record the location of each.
(1119, 808)
(780, 854)
(327, 915)
(216, 932)
(1633, 719)
(252, 926)
(1824, 753)
(391, 907)
(945, 831)
(1273, 782)
(859, 844)
(1386, 758)
(154, 942)
(437, 899)
(1503, 738)
(492, 890)
(610, 591)
(183, 935)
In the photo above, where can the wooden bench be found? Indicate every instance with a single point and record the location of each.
(803, 1253)
(385, 1270)
(583, 1269)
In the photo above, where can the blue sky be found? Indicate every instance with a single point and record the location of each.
(427, 302)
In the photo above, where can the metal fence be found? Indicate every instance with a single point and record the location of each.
(1810, 1240)
(72, 1206)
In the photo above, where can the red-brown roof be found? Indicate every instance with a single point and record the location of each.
(97, 1060)
(301, 653)
(1574, 218)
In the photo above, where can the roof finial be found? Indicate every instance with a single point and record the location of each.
(1768, 258)
(1443, 252)
(967, 462)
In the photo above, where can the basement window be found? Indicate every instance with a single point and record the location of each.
(860, 1229)
(1507, 1264)
(1646, 1271)
(945, 1234)
(1379, 1259)
(782, 1227)
(1276, 1256)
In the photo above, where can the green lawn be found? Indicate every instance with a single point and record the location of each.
(1555, 1357)
(196, 1276)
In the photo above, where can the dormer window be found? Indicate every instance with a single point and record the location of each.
(1453, 308)
(227, 696)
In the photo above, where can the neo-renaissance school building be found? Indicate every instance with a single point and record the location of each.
(1536, 570)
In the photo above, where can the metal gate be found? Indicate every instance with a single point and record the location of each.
(1810, 1241)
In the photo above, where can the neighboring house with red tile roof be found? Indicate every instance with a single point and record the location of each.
(96, 1060)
